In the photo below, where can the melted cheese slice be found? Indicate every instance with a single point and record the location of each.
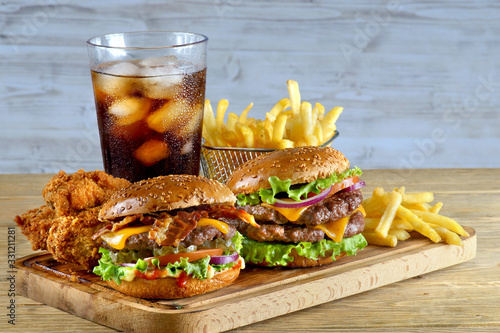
(221, 226)
(335, 229)
(292, 214)
(118, 238)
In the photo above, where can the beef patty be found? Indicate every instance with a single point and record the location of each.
(274, 227)
(291, 233)
(196, 237)
(331, 208)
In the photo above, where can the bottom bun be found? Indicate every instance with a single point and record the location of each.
(167, 288)
(300, 261)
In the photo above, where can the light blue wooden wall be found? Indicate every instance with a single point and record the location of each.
(419, 81)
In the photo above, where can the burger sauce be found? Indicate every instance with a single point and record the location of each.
(182, 279)
(148, 275)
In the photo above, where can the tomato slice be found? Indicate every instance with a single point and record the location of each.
(192, 256)
(344, 184)
(339, 186)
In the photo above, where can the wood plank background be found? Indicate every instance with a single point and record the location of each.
(419, 81)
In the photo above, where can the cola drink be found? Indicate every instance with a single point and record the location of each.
(149, 116)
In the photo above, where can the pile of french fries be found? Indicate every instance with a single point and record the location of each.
(391, 216)
(290, 123)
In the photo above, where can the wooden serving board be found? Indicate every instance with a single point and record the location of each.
(257, 294)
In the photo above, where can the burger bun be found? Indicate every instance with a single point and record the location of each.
(168, 288)
(165, 193)
(300, 165)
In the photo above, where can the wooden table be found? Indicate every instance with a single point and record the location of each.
(461, 298)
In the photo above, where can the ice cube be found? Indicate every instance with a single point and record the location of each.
(171, 116)
(160, 83)
(187, 148)
(115, 86)
(122, 69)
(152, 151)
(192, 121)
(129, 110)
(159, 61)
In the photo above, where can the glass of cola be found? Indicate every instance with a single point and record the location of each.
(149, 90)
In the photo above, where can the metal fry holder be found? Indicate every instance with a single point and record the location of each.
(219, 162)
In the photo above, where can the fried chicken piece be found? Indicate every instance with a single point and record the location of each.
(66, 224)
(35, 224)
(70, 239)
(71, 193)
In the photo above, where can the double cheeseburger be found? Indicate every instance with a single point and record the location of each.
(307, 203)
(165, 238)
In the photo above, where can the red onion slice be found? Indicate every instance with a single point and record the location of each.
(353, 187)
(221, 260)
(310, 201)
(127, 264)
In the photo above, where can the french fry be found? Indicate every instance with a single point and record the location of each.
(436, 208)
(442, 221)
(328, 122)
(418, 206)
(389, 213)
(207, 135)
(248, 136)
(400, 234)
(290, 119)
(230, 137)
(293, 91)
(312, 140)
(379, 192)
(449, 236)
(232, 119)
(399, 223)
(279, 107)
(371, 223)
(418, 224)
(413, 213)
(417, 198)
(307, 120)
(284, 143)
(209, 118)
(375, 207)
(372, 238)
(221, 111)
(244, 114)
(318, 132)
(279, 128)
(320, 111)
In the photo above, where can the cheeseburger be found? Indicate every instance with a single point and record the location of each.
(165, 238)
(307, 203)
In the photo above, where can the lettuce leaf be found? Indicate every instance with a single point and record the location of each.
(276, 254)
(198, 269)
(285, 186)
(107, 270)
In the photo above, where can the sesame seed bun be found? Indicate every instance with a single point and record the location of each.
(167, 288)
(300, 165)
(165, 193)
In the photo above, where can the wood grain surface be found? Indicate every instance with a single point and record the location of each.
(418, 81)
(460, 298)
(261, 293)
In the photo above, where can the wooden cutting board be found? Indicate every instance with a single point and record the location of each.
(256, 295)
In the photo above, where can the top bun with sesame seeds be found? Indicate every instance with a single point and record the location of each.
(307, 203)
(300, 165)
(165, 193)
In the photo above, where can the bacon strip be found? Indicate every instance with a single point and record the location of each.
(218, 211)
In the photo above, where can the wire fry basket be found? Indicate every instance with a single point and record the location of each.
(219, 162)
